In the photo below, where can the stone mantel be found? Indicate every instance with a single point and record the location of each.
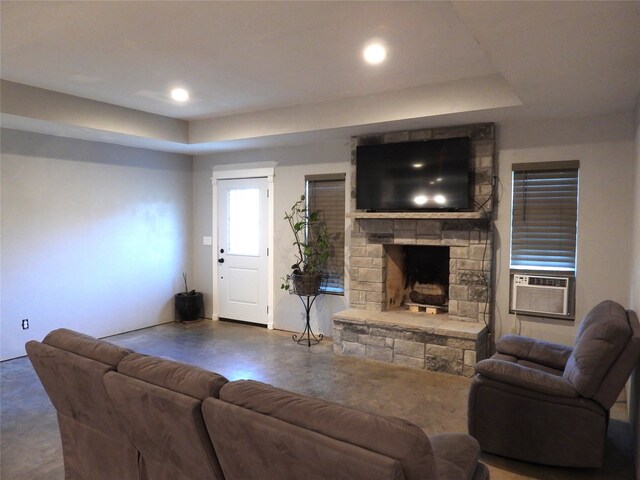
(421, 215)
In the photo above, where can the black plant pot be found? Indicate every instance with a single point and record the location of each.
(189, 306)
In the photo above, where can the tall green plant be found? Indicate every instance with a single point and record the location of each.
(310, 239)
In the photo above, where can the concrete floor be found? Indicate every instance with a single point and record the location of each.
(30, 445)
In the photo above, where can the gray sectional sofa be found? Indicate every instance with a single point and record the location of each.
(130, 416)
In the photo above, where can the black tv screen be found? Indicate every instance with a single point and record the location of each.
(423, 175)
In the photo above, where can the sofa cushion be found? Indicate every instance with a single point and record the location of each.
(526, 363)
(253, 446)
(160, 402)
(600, 339)
(86, 346)
(527, 349)
(179, 377)
(74, 386)
(525, 377)
(619, 373)
(389, 436)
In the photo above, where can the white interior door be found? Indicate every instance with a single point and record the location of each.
(242, 250)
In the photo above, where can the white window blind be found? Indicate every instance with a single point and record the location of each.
(544, 218)
(326, 195)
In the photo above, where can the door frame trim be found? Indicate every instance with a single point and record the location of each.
(268, 173)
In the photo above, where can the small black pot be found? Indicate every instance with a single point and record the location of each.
(189, 306)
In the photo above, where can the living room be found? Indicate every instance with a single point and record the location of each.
(105, 205)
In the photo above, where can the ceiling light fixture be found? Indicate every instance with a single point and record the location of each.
(375, 53)
(179, 94)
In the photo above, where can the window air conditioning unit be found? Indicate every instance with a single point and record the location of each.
(542, 296)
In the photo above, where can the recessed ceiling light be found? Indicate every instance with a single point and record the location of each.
(179, 94)
(375, 53)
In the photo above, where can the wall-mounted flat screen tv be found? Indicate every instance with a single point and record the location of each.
(423, 175)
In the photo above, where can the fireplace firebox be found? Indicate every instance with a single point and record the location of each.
(417, 276)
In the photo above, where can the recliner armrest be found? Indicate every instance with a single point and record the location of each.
(545, 353)
(525, 377)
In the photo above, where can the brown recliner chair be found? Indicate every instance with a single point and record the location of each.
(71, 367)
(547, 403)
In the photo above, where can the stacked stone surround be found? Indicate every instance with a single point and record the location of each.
(469, 236)
(469, 264)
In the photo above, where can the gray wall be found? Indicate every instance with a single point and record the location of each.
(94, 237)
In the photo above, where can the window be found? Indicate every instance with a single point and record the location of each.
(544, 216)
(325, 194)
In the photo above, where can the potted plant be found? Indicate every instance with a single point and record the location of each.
(189, 305)
(312, 249)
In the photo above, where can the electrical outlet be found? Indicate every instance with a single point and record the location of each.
(25, 324)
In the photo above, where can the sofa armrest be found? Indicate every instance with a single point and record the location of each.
(456, 455)
(545, 353)
(527, 378)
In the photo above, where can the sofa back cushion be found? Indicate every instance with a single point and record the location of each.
(71, 366)
(253, 446)
(86, 346)
(620, 371)
(179, 377)
(601, 337)
(160, 402)
(390, 437)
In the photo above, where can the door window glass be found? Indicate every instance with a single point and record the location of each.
(244, 221)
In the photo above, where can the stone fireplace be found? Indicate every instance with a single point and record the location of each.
(443, 259)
